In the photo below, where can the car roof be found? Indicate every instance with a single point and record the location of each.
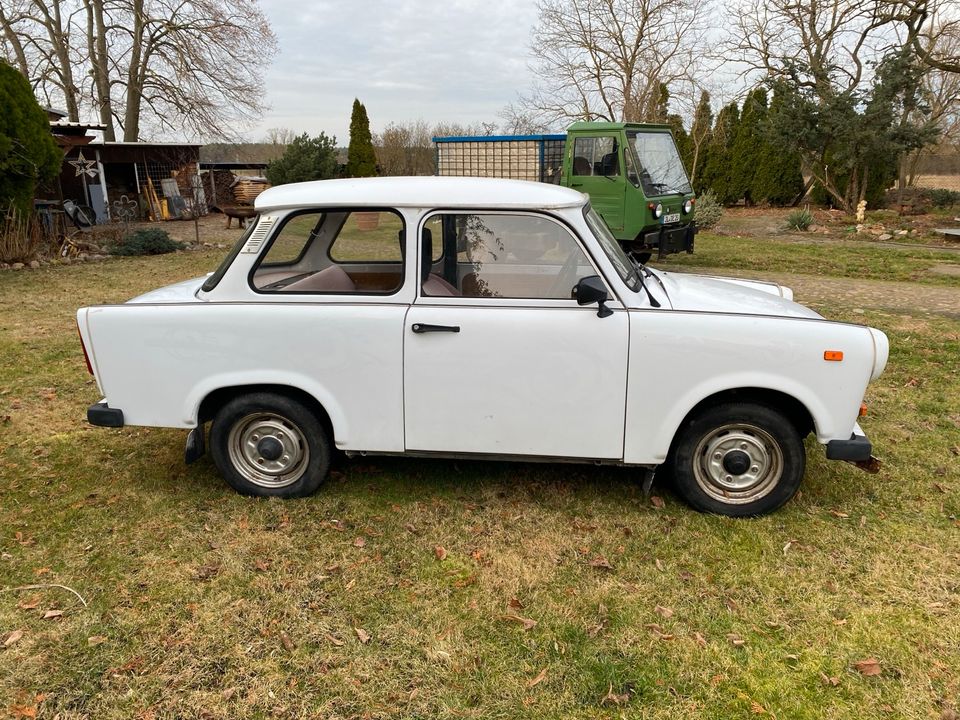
(429, 192)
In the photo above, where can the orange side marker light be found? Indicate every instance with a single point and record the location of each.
(833, 355)
(863, 409)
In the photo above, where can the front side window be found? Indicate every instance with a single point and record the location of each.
(334, 251)
(596, 156)
(491, 255)
(613, 250)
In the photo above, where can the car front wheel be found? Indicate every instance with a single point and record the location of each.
(269, 445)
(738, 459)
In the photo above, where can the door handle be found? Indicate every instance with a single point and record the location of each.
(424, 328)
(573, 184)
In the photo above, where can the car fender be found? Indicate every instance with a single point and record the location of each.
(297, 381)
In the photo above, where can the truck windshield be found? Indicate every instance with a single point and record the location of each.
(611, 247)
(661, 169)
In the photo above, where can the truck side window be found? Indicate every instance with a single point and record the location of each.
(596, 156)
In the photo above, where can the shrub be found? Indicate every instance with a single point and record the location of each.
(28, 154)
(800, 219)
(21, 236)
(305, 159)
(361, 158)
(942, 197)
(707, 211)
(146, 242)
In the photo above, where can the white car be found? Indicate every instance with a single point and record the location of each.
(481, 318)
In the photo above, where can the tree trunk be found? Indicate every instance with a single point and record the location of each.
(135, 75)
(97, 47)
(15, 43)
(60, 42)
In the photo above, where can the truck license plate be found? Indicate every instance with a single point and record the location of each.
(667, 219)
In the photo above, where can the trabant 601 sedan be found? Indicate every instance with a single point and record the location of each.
(478, 318)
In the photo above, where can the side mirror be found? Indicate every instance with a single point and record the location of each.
(592, 290)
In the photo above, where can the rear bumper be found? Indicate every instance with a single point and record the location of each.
(857, 449)
(103, 415)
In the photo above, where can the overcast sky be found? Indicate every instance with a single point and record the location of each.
(454, 60)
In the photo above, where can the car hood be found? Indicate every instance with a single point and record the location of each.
(181, 292)
(731, 295)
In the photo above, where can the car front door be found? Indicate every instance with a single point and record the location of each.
(498, 359)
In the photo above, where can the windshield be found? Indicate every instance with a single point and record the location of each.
(218, 274)
(661, 170)
(611, 247)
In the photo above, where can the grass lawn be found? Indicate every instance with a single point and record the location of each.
(562, 591)
(841, 259)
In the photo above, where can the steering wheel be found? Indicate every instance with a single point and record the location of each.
(562, 287)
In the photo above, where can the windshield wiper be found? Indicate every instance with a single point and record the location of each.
(638, 271)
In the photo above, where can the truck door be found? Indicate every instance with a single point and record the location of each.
(596, 168)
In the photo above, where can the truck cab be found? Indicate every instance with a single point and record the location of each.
(636, 181)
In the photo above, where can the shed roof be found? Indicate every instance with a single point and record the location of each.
(432, 191)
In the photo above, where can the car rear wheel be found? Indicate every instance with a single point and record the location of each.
(738, 459)
(270, 445)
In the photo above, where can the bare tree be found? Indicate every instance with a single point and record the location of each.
(829, 54)
(279, 136)
(145, 66)
(610, 59)
(405, 149)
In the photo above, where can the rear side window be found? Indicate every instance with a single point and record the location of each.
(334, 251)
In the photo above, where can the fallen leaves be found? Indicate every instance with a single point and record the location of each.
(286, 642)
(95, 640)
(658, 632)
(360, 542)
(541, 676)
(601, 562)
(52, 614)
(440, 552)
(11, 637)
(869, 667)
(612, 698)
(30, 604)
(657, 502)
(362, 635)
(663, 612)
(829, 680)
(736, 640)
(528, 623)
(335, 641)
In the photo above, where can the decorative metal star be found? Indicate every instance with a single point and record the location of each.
(84, 166)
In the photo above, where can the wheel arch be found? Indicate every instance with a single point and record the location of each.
(213, 401)
(798, 413)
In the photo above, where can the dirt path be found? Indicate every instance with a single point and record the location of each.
(897, 297)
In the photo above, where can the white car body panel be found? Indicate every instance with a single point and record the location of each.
(523, 377)
(350, 361)
(530, 376)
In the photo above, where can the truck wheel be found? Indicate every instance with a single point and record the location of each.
(738, 459)
(269, 445)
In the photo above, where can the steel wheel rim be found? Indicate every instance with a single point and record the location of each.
(761, 476)
(254, 435)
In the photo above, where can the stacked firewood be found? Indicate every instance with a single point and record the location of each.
(218, 187)
(246, 189)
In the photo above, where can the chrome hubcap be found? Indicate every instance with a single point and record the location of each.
(268, 450)
(738, 463)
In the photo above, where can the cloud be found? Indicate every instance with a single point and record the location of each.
(456, 61)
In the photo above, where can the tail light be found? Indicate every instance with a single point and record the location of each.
(86, 357)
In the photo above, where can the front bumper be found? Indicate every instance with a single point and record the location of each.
(857, 449)
(103, 415)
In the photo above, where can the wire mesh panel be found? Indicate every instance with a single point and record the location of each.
(515, 159)
(552, 161)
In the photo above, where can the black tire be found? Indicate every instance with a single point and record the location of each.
(270, 445)
(738, 459)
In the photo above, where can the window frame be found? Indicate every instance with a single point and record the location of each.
(509, 301)
(326, 210)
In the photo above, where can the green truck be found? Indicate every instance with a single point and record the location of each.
(631, 171)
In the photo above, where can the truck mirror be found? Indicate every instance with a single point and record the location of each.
(591, 289)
